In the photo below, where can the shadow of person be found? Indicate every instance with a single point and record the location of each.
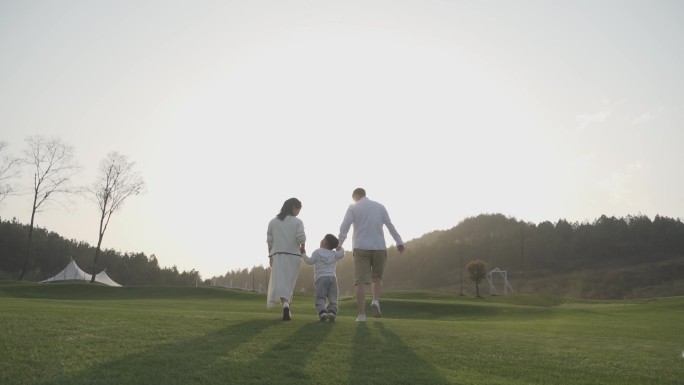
(379, 356)
(238, 354)
(166, 363)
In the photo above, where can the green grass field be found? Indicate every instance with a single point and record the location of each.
(88, 334)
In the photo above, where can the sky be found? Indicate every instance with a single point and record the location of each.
(442, 110)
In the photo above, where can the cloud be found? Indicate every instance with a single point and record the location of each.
(606, 109)
(617, 187)
(586, 120)
(648, 116)
(586, 159)
(620, 185)
(637, 166)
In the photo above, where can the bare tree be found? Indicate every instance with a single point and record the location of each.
(51, 165)
(117, 181)
(8, 171)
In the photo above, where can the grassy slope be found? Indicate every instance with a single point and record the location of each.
(85, 334)
(647, 280)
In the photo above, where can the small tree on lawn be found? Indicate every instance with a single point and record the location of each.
(477, 271)
(117, 181)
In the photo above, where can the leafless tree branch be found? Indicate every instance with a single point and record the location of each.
(116, 182)
(51, 163)
(8, 170)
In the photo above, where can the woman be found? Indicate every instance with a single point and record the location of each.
(285, 238)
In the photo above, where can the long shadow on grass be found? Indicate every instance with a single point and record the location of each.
(379, 356)
(233, 355)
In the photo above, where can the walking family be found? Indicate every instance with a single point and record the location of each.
(286, 240)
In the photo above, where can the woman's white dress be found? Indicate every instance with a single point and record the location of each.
(284, 238)
(284, 274)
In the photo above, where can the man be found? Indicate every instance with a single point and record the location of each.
(370, 251)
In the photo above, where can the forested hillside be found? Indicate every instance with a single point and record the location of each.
(631, 257)
(51, 253)
(612, 257)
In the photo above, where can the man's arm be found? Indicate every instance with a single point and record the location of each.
(393, 231)
(346, 224)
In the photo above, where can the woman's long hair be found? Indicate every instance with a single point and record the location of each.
(288, 206)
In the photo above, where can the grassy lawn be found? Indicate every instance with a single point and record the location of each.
(86, 334)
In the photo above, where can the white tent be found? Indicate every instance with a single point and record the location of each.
(74, 273)
(102, 277)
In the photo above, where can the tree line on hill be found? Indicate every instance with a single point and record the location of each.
(629, 253)
(554, 258)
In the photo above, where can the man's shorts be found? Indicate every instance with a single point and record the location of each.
(368, 265)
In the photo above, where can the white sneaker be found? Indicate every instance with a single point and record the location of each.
(331, 317)
(361, 318)
(375, 309)
(323, 317)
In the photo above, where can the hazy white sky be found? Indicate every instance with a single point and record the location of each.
(442, 110)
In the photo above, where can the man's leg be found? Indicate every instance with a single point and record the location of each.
(375, 304)
(361, 298)
(378, 261)
(377, 288)
(362, 276)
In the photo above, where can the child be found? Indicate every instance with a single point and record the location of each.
(324, 260)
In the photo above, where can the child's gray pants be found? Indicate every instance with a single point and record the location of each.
(326, 294)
